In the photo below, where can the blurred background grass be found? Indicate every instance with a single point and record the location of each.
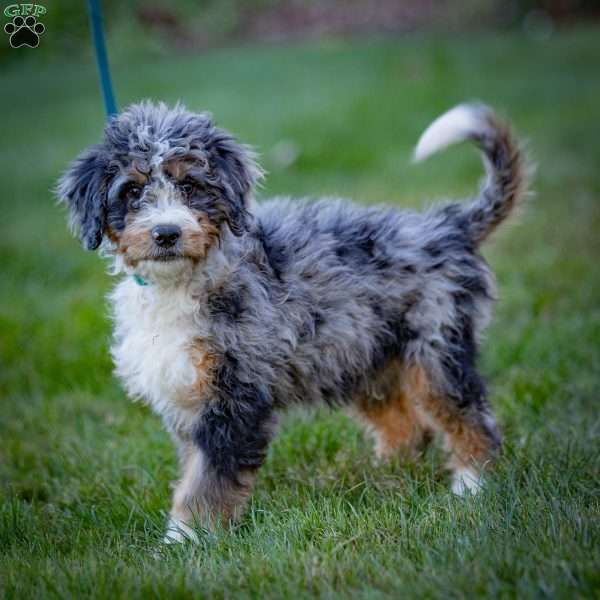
(333, 95)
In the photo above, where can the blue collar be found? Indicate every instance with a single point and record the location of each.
(139, 280)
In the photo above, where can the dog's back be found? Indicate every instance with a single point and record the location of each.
(365, 286)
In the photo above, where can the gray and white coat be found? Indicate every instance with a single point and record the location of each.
(227, 311)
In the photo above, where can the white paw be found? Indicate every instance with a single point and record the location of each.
(178, 533)
(466, 481)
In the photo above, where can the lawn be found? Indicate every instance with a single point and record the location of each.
(84, 473)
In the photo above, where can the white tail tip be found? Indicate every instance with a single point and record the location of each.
(463, 122)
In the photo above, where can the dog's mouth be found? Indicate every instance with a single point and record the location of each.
(164, 266)
(166, 257)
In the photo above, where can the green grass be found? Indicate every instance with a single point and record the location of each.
(84, 473)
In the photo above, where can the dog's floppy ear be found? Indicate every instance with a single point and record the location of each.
(239, 174)
(83, 189)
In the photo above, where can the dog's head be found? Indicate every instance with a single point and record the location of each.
(160, 188)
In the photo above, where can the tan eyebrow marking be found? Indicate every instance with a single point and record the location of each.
(136, 175)
(177, 168)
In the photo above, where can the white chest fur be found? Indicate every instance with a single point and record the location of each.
(155, 329)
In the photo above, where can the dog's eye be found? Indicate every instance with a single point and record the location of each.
(187, 187)
(132, 195)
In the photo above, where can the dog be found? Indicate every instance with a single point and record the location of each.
(228, 310)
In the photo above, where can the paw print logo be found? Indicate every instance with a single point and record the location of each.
(24, 31)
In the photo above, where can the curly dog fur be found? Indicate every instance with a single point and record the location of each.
(229, 311)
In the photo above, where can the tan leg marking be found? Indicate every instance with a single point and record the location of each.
(393, 420)
(201, 498)
(470, 449)
(395, 425)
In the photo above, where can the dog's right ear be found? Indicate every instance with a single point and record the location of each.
(83, 189)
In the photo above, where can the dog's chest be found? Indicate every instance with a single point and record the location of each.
(157, 349)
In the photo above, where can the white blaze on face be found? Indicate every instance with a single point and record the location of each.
(167, 209)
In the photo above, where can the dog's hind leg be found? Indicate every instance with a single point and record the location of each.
(390, 415)
(459, 411)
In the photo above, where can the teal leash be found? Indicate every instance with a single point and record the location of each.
(97, 26)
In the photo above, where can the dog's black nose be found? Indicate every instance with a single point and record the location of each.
(166, 235)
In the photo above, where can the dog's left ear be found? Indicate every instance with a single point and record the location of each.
(239, 174)
(83, 189)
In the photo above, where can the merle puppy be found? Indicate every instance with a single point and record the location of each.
(227, 311)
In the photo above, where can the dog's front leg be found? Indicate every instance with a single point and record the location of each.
(202, 497)
(219, 467)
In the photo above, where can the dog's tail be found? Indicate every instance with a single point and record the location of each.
(505, 186)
